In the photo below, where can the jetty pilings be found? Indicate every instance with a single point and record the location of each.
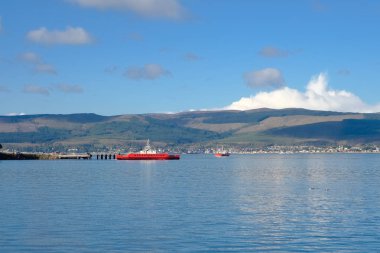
(105, 156)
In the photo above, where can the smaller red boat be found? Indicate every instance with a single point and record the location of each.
(148, 154)
(221, 152)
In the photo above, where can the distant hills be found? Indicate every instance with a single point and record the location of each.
(259, 127)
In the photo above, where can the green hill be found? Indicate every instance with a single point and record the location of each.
(254, 127)
(356, 131)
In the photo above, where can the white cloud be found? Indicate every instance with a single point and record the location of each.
(38, 64)
(273, 52)
(149, 71)
(111, 69)
(15, 114)
(344, 72)
(4, 88)
(35, 89)
(319, 6)
(30, 57)
(192, 57)
(45, 68)
(70, 36)
(170, 9)
(264, 77)
(318, 96)
(68, 88)
(135, 36)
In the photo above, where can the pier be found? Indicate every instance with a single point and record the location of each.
(75, 156)
(9, 155)
(105, 156)
(41, 156)
(55, 156)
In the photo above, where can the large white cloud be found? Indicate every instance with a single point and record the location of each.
(70, 36)
(318, 96)
(171, 9)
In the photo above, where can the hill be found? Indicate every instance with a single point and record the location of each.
(255, 128)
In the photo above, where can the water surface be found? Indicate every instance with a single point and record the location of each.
(241, 203)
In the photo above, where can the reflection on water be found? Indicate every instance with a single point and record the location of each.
(314, 203)
(318, 202)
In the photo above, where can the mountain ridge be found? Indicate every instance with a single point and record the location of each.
(290, 126)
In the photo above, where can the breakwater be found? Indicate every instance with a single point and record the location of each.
(41, 156)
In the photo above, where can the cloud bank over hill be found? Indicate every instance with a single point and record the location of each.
(318, 96)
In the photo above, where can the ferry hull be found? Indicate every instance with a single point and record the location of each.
(136, 156)
(221, 155)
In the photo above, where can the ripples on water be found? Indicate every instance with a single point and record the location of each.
(306, 203)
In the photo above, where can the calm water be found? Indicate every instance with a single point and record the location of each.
(244, 203)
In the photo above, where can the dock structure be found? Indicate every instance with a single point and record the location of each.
(75, 156)
(55, 156)
(105, 156)
(41, 156)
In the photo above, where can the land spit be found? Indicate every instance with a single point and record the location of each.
(41, 156)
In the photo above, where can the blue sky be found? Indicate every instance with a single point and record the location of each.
(140, 56)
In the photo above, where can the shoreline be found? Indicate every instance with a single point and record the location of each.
(89, 156)
(41, 156)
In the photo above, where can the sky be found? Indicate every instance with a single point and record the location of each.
(114, 57)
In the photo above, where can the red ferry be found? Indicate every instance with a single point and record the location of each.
(148, 154)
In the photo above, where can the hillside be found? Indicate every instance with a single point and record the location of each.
(255, 127)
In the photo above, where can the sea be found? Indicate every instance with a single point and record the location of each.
(200, 203)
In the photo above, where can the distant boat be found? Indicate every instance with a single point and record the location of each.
(148, 153)
(221, 153)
